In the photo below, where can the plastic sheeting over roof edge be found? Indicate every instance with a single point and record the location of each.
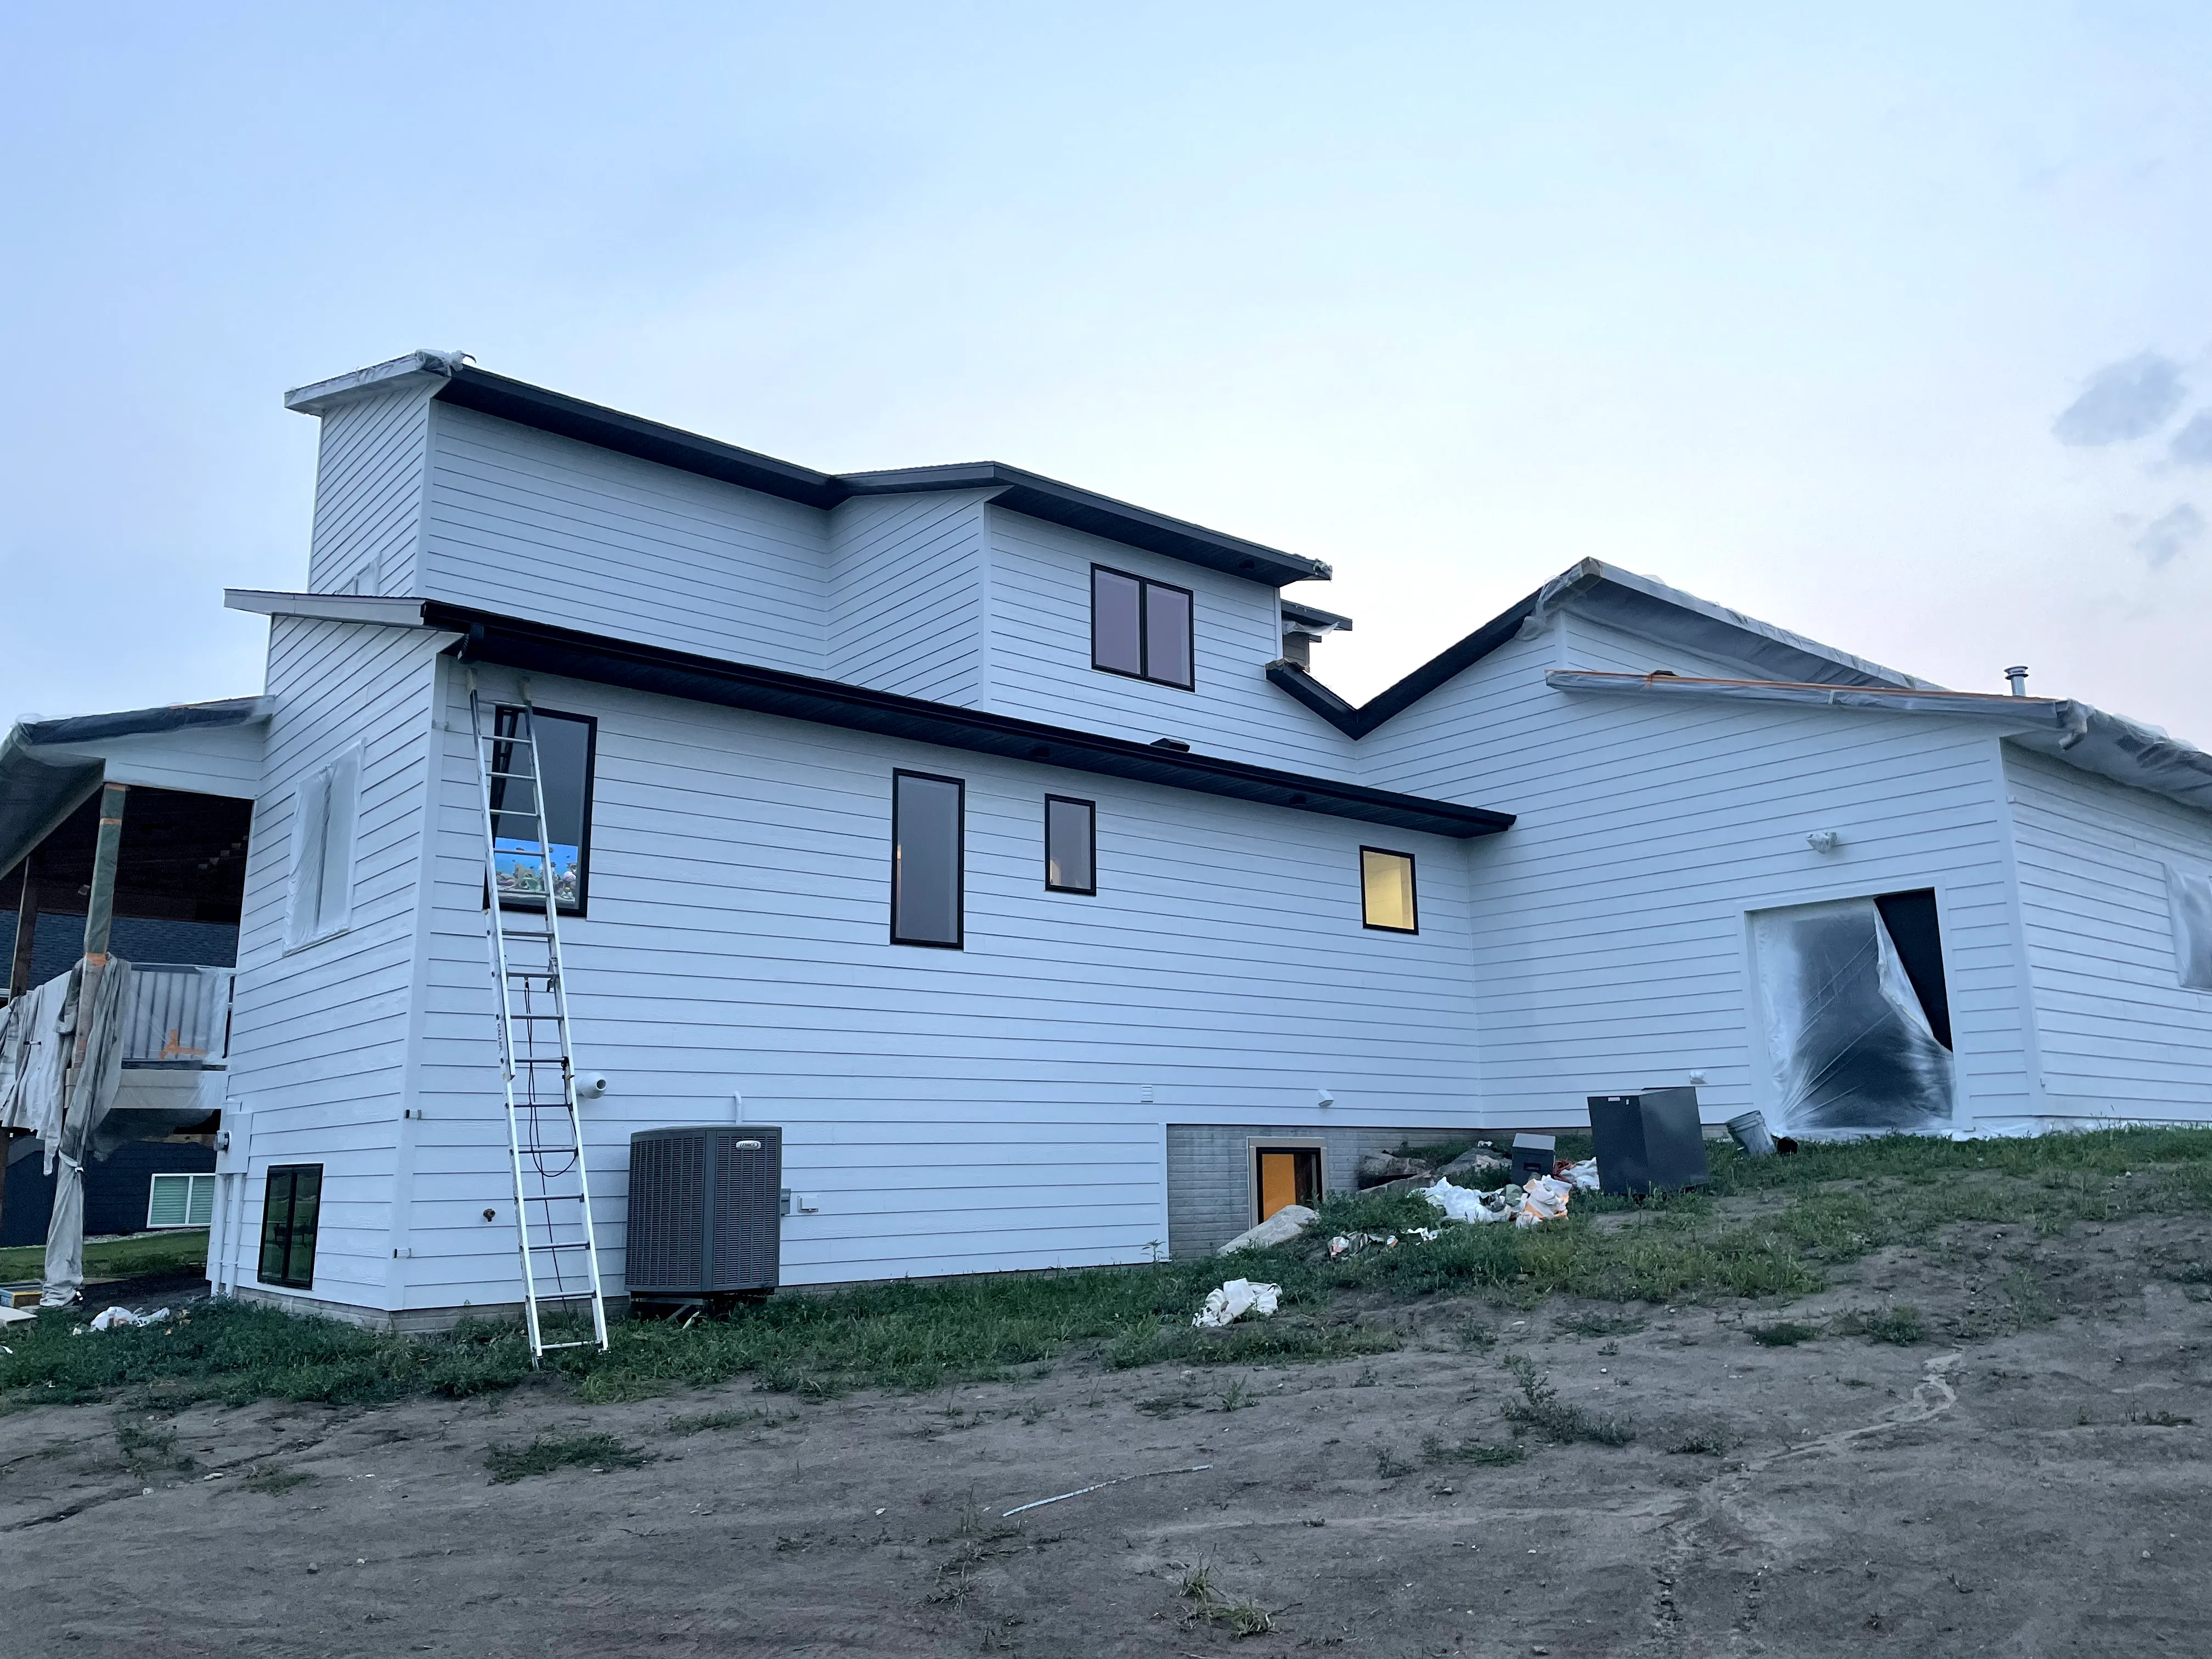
(38, 792)
(2082, 736)
(1619, 598)
(449, 377)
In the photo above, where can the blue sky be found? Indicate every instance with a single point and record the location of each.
(1893, 327)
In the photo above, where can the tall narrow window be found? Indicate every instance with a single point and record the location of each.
(566, 747)
(926, 863)
(1140, 627)
(323, 808)
(1071, 844)
(1386, 891)
(291, 1210)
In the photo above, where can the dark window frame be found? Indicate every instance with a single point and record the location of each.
(1413, 885)
(959, 941)
(581, 908)
(1145, 586)
(1090, 807)
(284, 1235)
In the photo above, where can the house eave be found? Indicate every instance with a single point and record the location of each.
(535, 648)
(453, 379)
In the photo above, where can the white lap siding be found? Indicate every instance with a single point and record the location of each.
(1040, 654)
(2118, 1033)
(906, 595)
(319, 1035)
(368, 493)
(956, 1110)
(1610, 948)
(528, 525)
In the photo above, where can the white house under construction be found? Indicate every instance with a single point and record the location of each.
(994, 844)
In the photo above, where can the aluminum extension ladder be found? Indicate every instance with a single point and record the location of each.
(545, 1135)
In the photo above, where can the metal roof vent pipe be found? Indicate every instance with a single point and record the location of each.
(2018, 676)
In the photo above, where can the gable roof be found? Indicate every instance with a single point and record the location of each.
(1620, 598)
(459, 382)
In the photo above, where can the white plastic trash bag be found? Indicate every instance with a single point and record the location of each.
(116, 1317)
(1582, 1176)
(1465, 1203)
(1544, 1199)
(1234, 1300)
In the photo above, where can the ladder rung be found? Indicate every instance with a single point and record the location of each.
(527, 777)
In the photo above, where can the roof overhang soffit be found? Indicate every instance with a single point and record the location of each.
(535, 648)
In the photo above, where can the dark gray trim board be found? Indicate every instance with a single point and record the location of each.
(537, 647)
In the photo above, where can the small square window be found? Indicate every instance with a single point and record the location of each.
(180, 1200)
(289, 1212)
(1071, 844)
(1140, 627)
(1386, 891)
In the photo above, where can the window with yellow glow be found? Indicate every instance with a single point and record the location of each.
(1386, 891)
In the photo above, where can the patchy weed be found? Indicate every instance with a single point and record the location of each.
(1596, 1324)
(1783, 1334)
(1703, 1443)
(596, 1452)
(1540, 1408)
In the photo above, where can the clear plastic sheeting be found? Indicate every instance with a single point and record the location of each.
(1849, 1047)
(2191, 896)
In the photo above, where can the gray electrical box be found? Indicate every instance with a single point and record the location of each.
(703, 1211)
(1647, 1141)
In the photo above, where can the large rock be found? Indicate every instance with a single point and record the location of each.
(1376, 1168)
(1474, 1161)
(1286, 1225)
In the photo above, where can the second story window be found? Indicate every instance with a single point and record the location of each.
(1386, 891)
(1140, 627)
(1071, 844)
(565, 746)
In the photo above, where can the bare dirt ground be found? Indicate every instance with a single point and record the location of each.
(1996, 1488)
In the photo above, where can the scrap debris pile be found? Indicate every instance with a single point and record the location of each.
(1528, 1203)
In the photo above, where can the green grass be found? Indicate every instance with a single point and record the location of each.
(596, 1452)
(1820, 1210)
(116, 1258)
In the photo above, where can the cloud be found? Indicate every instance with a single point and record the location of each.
(2193, 444)
(2168, 537)
(2122, 400)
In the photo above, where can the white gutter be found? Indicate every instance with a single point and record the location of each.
(2109, 745)
(376, 608)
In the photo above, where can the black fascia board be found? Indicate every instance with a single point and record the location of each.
(627, 434)
(1023, 492)
(1358, 721)
(537, 647)
(1098, 515)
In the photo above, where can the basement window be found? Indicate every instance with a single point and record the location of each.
(1386, 891)
(568, 747)
(1283, 1176)
(928, 869)
(1140, 627)
(289, 1212)
(1071, 844)
(323, 808)
(180, 1200)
